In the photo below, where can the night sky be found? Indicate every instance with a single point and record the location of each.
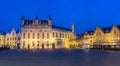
(85, 14)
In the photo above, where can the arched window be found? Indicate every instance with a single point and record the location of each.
(38, 35)
(23, 35)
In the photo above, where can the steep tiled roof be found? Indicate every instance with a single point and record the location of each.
(30, 22)
(61, 28)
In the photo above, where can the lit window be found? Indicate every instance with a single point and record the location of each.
(28, 36)
(56, 35)
(47, 35)
(60, 35)
(23, 35)
(43, 36)
(38, 35)
(53, 34)
(33, 35)
(33, 44)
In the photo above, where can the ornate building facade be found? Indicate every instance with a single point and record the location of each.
(105, 36)
(40, 33)
(12, 39)
(36, 34)
(2, 39)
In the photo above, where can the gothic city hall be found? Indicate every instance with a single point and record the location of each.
(36, 34)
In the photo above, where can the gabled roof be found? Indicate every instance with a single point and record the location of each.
(80, 36)
(91, 32)
(107, 29)
(61, 28)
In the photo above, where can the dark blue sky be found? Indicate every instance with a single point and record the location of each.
(85, 14)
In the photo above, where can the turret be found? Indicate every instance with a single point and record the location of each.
(72, 27)
(36, 19)
(22, 20)
(49, 20)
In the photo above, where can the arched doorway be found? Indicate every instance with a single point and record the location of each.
(37, 46)
(18, 46)
(47, 46)
(53, 46)
(28, 46)
(42, 46)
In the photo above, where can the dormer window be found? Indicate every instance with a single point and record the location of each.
(13, 34)
(115, 32)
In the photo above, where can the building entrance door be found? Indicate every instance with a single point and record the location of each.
(28, 46)
(18, 46)
(42, 46)
(53, 46)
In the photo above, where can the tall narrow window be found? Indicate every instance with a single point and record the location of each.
(53, 34)
(28, 36)
(63, 35)
(33, 43)
(43, 36)
(60, 35)
(47, 35)
(56, 35)
(23, 35)
(33, 35)
(18, 38)
(8, 39)
(38, 35)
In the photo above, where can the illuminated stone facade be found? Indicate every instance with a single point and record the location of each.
(41, 34)
(12, 39)
(2, 37)
(105, 36)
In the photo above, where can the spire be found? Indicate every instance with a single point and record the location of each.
(72, 27)
(36, 16)
(49, 17)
